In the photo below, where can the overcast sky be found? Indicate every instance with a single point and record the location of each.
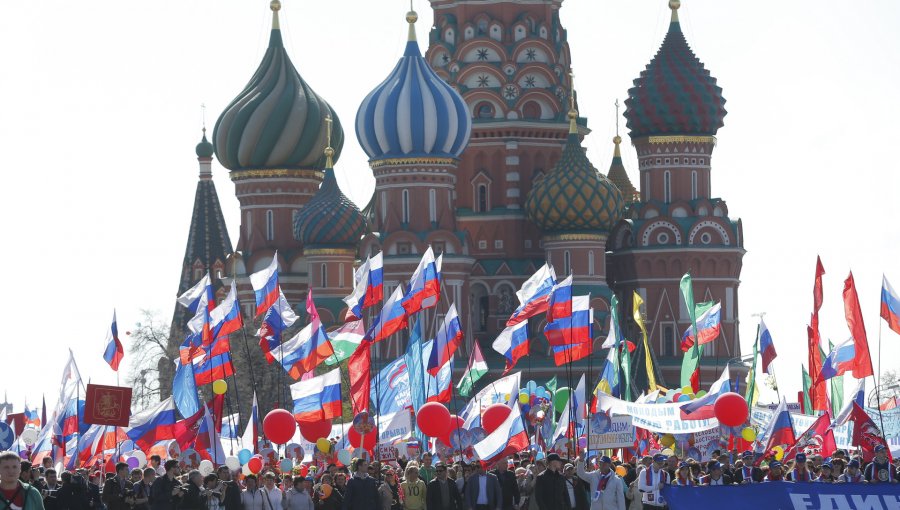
(102, 111)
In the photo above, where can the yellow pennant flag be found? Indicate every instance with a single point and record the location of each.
(651, 379)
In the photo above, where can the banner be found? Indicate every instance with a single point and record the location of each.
(621, 434)
(785, 496)
(493, 393)
(395, 427)
(843, 435)
(891, 419)
(661, 418)
(107, 405)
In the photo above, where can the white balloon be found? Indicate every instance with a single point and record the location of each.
(246, 470)
(233, 463)
(206, 467)
(29, 436)
(141, 457)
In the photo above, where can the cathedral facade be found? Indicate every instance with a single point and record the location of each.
(475, 146)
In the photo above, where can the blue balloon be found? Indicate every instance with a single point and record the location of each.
(244, 456)
(684, 398)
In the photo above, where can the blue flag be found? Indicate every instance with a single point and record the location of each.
(390, 388)
(416, 372)
(184, 390)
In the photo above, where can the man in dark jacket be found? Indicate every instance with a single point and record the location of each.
(550, 489)
(192, 499)
(442, 493)
(118, 491)
(509, 486)
(483, 490)
(362, 490)
(166, 490)
(232, 491)
(717, 475)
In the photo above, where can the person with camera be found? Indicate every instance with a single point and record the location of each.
(213, 492)
(166, 491)
(72, 494)
(142, 489)
(193, 497)
(118, 491)
(48, 487)
(231, 492)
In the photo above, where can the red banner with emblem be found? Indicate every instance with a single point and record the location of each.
(107, 405)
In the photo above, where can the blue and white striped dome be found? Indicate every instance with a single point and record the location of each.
(413, 113)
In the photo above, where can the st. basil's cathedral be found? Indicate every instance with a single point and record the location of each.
(476, 149)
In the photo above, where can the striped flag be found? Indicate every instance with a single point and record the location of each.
(476, 369)
(345, 340)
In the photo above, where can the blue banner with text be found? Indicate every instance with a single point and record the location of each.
(786, 496)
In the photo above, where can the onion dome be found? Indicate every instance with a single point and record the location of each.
(329, 219)
(574, 196)
(413, 113)
(277, 121)
(675, 95)
(204, 148)
(618, 175)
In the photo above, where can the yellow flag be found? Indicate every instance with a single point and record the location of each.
(651, 379)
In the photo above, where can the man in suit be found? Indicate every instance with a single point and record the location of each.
(550, 489)
(442, 493)
(716, 476)
(118, 491)
(509, 486)
(483, 491)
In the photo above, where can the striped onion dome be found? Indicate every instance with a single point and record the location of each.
(413, 113)
(675, 94)
(277, 121)
(329, 219)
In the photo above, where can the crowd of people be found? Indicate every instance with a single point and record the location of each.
(518, 482)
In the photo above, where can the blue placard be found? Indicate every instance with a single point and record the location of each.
(7, 437)
(785, 496)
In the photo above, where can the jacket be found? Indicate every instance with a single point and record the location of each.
(494, 494)
(551, 492)
(255, 500)
(115, 491)
(509, 487)
(297, 500)
(161, 497)
(33, 499)
(192, 500)
(361, 494)
(232, 497)
(611, 498)
(386, 496)
(434, 502)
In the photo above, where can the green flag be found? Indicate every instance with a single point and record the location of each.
(345, 340)
(807, 402)
(691, 361)
(625, 361)
(837, 387)
(551, 385)
(476, 369)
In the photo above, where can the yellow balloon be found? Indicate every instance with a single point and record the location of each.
(779, 452)
(687, 390)
(748, 434)
(220, 386)
(524, 398)
(667, 440)
(323, 445)
(621, 471)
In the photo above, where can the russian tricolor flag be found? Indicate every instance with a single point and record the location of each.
(779, 431)
(215, 364)
(226, 318)
(534, 295)
(447, 341)
(839, 360)
(437, 385)
(277, 319)
(571, 337)
(708, 327)
(703, 408)
(305, 351)
(890, 305)
(114, 352)
(559, 304)
(368, 289)
(152, 425)
(199, 297)
(317, 398)
(510, 437)
(390, 319)
(265, 286)
(251, 431)
(766, 347)
(424, 287)
(512, 343)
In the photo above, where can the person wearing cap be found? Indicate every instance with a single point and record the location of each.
(442, 493)
(776, 472)
(683, 476)
(606, 488)
(800, 473)
(716, 476)
(509, 486)
(550, 488)
(853, 474)
(482, 490)
(826, 473)
(880, 469)
(651, 480)
(576, 488)
(747, 473)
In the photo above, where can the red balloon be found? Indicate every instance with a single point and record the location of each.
(433, 419)
(255, 464)
(366, 442)
(304, 469)
(455, 423)
(731, 409)
(313, 430)
(279, 426)
(493, 416)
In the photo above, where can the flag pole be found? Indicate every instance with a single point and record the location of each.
(878, 386)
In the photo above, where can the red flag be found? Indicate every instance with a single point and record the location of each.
(800, 399)
(360, 383)
(862, 362)
(217, 409)
(818, 439)
(818, 392)
(866, 434)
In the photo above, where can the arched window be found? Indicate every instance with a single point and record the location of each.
(270, 225)
(667, 187)
(591, 263)
(693, 185)
(567, 263)
(404, 204)
(531, 110)
(482, 199)
(341, 275)
(432, 205)
(484, 110)
(324, 273)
